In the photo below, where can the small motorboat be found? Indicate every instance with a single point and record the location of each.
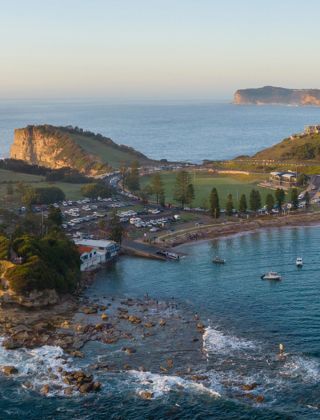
(299, 262)
(218, 260)
(271, 275)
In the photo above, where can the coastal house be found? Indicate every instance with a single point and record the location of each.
(94, 252)
(89, 258)
(283, 179)
(312, 129)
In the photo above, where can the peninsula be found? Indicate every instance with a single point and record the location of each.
(71, 147)
(270, 95)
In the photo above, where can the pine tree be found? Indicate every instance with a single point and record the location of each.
(180, 192)
(255, 200)
(117, 230)
(214, 203)
(132, 178)
(243, 204)
(280, 196)
(157, 186)
(269, 202)
(294, 198)
(229, 205)
(190, 194)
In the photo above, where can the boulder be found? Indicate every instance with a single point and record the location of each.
(104, 317)
(146, 395)
(88, 310)
(134, 319)
(45, 389)
(9, 370)
(162, 322)
(249, 387)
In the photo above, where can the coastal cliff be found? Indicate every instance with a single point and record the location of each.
(59, 147)
(269, 95)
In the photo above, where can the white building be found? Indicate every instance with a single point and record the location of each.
(94, 252)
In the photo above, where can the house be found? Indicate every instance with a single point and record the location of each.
(312, 129)
(89, 258)
(283, 179)
(96, 252)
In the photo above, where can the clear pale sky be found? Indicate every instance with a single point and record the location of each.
(156, 49)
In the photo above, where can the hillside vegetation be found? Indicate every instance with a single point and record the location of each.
(306, 148)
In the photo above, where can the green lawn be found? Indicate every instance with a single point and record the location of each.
(203, 184)
(6, 176)
(106, 153)
(72, 191)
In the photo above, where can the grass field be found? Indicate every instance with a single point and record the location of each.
(203, 184)
(72, 191)
(108, 154)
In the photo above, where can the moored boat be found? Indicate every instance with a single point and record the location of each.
(271, 275)
(218, 260)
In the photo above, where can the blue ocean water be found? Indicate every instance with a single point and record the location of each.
(246, 320)
(173, 131)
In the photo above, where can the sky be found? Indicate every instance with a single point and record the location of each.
(156, 49)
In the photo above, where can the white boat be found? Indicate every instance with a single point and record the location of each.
(271, 275)
(299, 262)
(218, 260)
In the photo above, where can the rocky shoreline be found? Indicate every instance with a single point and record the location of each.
(128, 327)
(242, 226)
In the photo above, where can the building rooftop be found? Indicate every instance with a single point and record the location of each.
(95, 243)
(82, 249)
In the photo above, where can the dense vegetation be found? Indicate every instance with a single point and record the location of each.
(49, 262)
(62, 174)
(96, 190)
(42, 195)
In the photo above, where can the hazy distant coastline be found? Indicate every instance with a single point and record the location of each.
(270, 95)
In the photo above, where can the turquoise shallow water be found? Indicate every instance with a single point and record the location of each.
(246, 317)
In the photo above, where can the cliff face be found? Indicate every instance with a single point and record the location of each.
(269, 95)
(58, 147)
(38, 147)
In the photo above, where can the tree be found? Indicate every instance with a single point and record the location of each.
(132, 180)
(280, 196)
(117, 230)
(214, 203)
(190, 194)
(243, 204)
(255, 200)
(55, 216)
(294, 198)
(269, 202)
(181, 187)
(229, 205)
(96, 190)
(157, 186)
(162, 199)
(307, 199)
(302, 180)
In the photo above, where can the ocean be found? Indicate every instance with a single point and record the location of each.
(173, 131)
(246, 318)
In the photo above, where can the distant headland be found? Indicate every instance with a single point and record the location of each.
(270, 95)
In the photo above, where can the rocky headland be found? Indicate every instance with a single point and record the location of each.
(270, 95)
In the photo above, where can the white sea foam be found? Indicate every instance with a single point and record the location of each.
(306, 369)
(214, 341)
(35, 366)
(162, 384)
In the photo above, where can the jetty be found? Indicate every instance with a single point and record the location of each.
(140, 249)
